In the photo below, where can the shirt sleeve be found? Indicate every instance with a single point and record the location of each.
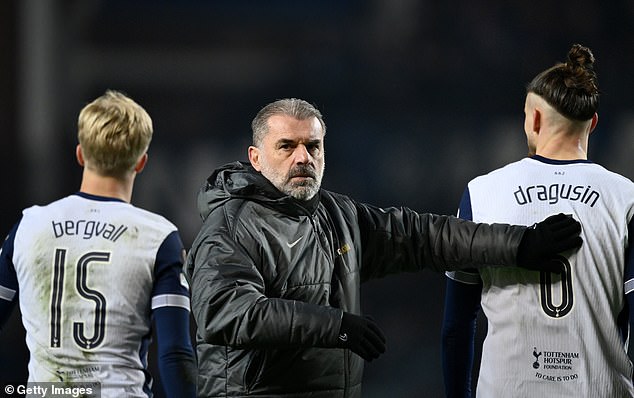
(8, 278)
(170, 287)
(458, 337)
(629, 275)
(399, 239)
(629, 266)
(176, 360)
(467, 276)
(462, 304)
(170, 311)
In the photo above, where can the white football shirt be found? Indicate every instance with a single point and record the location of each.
(553, 335)
(88, 271)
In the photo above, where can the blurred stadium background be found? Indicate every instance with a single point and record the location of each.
(419, 97)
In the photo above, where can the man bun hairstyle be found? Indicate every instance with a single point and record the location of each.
(570, 87)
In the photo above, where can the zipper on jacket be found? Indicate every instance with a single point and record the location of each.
(321, 233)
(332, 254)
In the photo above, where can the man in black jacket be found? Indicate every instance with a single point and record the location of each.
(276, 268)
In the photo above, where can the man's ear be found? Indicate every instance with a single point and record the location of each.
(254, 158)
(537, 120)
(140, 164)
(595, 121)
(80, 156)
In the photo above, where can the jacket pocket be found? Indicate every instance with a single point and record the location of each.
(253, 370)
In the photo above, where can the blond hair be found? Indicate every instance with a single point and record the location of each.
(114, 132)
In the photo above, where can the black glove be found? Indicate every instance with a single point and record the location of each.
(362, 336)
(541, 243)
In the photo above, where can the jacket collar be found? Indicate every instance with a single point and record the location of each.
(239, 180)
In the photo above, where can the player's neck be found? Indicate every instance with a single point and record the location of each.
(564, 147)
(111, 187)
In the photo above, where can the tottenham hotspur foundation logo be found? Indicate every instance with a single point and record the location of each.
(536, 355)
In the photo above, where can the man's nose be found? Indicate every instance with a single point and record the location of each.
(301, 154)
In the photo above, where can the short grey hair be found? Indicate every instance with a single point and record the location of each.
(294, 107)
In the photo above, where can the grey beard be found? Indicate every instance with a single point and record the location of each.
(307, 190)
(300, 191)
(303, 192)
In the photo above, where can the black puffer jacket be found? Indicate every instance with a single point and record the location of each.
(271, 276)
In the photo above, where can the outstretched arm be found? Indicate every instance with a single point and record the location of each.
(400, 239)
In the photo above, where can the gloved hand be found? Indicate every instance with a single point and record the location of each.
(362, 336)
(541, 242)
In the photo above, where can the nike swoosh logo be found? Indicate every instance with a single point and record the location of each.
(343, 337)
(291, 244)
